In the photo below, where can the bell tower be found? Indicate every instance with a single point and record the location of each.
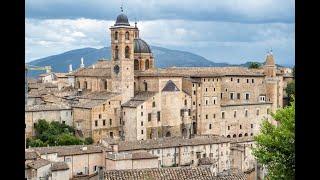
(271, 81)
(122, 58)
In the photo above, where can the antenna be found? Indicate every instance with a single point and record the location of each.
(121, 7)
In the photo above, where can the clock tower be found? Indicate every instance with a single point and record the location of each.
(122, 57)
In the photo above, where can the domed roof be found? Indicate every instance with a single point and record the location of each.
(140, 46)
(122, 20)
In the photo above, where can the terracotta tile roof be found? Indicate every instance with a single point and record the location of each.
(94, 72)
(61, 75)
(30, 155)
(139, 98)
(129, 155)
(102, 95)
(58, 166)
(89, 104)
(168, 142)
(200, 72)
(174, 173)
(38, 163)
(46, 107)
(70, 150)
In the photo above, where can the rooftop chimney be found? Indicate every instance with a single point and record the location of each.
(70, 68)
(82, 64)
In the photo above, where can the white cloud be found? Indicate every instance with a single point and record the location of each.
(218, 41)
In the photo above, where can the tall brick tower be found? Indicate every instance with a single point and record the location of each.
(122, 49)
(271, 81)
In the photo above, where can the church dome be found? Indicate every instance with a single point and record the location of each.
(122, 20)
(140, 46)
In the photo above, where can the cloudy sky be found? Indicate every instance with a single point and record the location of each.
(232, 31)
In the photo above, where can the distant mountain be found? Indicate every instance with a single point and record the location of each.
(163, 58)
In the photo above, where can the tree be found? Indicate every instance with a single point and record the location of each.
(88, 140)
(276, 145)
(291, 89)
(54, 133)
(254, 65)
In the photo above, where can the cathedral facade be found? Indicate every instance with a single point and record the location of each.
(131, 99)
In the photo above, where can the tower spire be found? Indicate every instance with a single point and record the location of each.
(121, 7)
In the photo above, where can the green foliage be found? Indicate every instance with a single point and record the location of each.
(254, 65)
(35, 143)
(88, 140)
(276, 145)
(54, 133)
(291, 89)
(294, 71)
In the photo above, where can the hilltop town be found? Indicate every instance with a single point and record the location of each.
(151, 123)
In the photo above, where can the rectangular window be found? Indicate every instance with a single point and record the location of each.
(251, 126)
(104, 107)
(104, 122)
(198, 155)
(210, 126)
(153, 104)
(158, 115)
(96, 123)
(141, 113)
(252, 80)
(231, 95)
(246, 113)
(141, 131)
(221, 95)
(111, 134)
(206, 102)
(214, 101)
(258, 112)
(141, 106)
(189, 112)
(222, 115)
(141, 123)
(100, 116)
(194, 92)
(192, 85)
(228, 127)
(238, 80)
(110, 122)
(234, 114)
(67, 160)
(206, 89)
(247, 96)
(214, 115)
(238, 95)
(206, 116)
(247, 80)
(149, 116)
(194, 103)
(231, 79)
(214, 89)
(181, 112)
(240, 127)
(268, 111)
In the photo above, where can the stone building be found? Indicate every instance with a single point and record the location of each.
(136, 160)
(186, 101)
(80, 159)
(179, 151)
(97, 115)
(50, 112)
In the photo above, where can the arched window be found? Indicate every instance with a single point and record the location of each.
(78, 85)
(85, 85)
(246, 134)
(251, 134)
(228, 136)
(168, 134)
(145, 86)
(116, 53)
(116, 35)
(136, 64)
(184, 132)
(240, 135)
(127, 52)
(185, 102)
(147, 64)
(105, 84)
(234, 136)
(127, 35)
